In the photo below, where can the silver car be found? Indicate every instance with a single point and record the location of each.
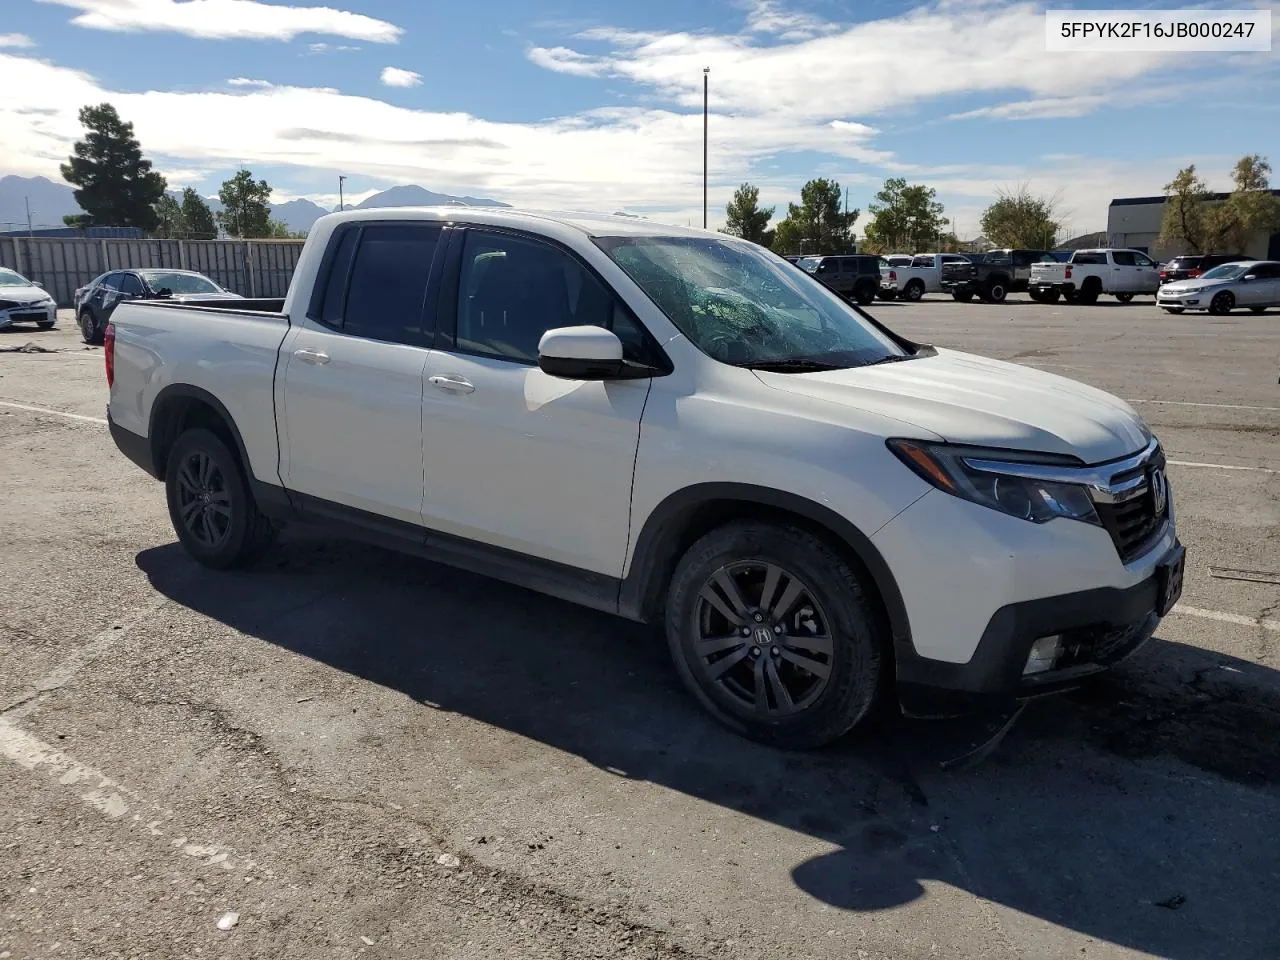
(1254, 284)
(25, 301)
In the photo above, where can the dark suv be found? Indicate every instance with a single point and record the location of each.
(856, 276)
(994, 277)
(1191, 265)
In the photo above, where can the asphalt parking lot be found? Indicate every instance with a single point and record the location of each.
(363, 754)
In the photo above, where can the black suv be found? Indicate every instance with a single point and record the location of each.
(998, 274)
(856, 276)
(1191, 265)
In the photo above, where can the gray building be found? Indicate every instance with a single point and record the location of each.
(1135, 222)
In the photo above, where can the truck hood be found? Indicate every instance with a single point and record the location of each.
(968, 399)
(23, 294)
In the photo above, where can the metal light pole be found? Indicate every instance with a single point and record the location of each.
(341, 178)
(706, 86)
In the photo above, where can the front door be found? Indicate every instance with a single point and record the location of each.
(1146, 276)
(350, 408)
(515, 458)
(1124, 273)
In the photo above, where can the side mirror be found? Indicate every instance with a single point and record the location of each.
(38, 283)
(1249, 277)
(585, 353)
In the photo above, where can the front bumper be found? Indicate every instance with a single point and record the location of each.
(33, 313)
(1194, 301)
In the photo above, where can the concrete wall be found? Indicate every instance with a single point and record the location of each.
(253, 268)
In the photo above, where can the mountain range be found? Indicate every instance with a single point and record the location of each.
(51, 201)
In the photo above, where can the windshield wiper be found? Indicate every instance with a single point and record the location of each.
(793, 365)
(891, 358)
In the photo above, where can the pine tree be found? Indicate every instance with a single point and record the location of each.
(117, 186)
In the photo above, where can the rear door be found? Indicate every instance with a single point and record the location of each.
(516, 458)
(1263, 290)
(350, 404)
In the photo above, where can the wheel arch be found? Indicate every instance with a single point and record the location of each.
(683, 517)
(181, 406)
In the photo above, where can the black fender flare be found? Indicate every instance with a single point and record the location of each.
(659, 539)
(186, 391)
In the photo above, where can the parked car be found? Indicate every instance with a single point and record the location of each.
(924, 275)
(1254, 284)
(670, 425)
(25, 301)
(856, 276)
(1189, 266)
(95, 302)
(997, 274)
(1091, 273)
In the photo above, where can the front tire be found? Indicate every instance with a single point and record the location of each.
(809, 665)
(1124, 297)
(1222, 303)
(210, 505)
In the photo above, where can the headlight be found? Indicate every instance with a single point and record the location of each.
(1188, 290)
(1039, 501)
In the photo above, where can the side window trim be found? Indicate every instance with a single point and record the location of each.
(450, 291)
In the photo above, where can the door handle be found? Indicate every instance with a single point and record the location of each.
(452, 384)
(313, 357)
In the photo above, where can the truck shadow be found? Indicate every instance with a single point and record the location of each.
(1141, 811)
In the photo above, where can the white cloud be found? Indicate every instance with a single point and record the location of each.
(16, 40)
(227, 19)
(852, 70)
(395, 77)
(248, 82)
(564, 60)
(1043, 109)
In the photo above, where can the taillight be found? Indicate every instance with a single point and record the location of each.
(893, 275)
(1067, 275)
(109, 353)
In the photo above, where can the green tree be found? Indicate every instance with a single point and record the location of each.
(197, 216)
(745, 218)
(279, 230)
(1250, 209)
(1186, 215)
(117, 187)
(817, 224)
(170, 224)
(245, 211)
(1019, 219)
(904, 218)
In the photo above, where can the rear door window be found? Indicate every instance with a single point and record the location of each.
(388, 282)
(129, 283)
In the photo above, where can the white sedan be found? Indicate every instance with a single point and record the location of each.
(1254, 284)
(24, 301)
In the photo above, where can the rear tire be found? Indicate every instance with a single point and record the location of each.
(89, 331)
(864, 295)
(829, 623)
(962, 296)
(996, 291)
(913, 291)
(1124, 297)
(1089, 294)
(1222, 303)
(210, 505)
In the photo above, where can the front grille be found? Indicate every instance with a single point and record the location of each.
(8, 304)
(1136, 522)
(28, 315)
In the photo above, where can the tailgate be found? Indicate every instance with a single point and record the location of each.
(957, 272)
(1048, 272)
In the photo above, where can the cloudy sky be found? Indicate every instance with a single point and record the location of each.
(598, 105)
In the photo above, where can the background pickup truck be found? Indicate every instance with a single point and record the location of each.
(1090, 273)
(998, 274)
(923, 276)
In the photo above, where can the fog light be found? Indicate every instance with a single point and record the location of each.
(1044, 653)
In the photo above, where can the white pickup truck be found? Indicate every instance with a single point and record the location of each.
(674, 426)
(1123, 274)
(923, 276)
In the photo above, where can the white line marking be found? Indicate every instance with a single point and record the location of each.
(1219, 466)
(56, 413)
(1223, 406)
(1227, 617)
(114, 800)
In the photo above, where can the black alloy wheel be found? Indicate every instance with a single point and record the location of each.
(763, 638)
(1222, 303)
(204, 502)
